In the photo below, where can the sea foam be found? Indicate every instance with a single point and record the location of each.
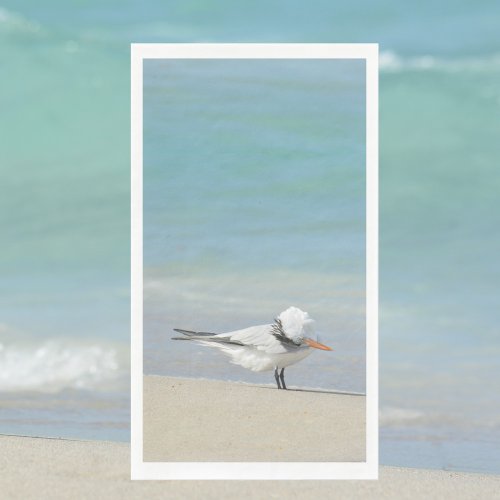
(55, 365)
(392, 62)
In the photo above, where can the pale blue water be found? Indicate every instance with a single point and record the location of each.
(254, 200)
(64, 206)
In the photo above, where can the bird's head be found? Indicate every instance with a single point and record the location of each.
(295, 326)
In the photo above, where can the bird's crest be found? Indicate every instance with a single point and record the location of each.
(279, 332)
(293, 325)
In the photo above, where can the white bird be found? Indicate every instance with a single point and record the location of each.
(265, 347)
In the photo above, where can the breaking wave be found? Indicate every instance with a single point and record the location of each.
(55, 365)
(391, 62)
(12, 23)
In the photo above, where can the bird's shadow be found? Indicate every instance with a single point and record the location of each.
(321, 391)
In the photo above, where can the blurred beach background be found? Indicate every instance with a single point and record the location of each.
(64, 201)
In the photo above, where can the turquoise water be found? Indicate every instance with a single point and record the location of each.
(65, 191)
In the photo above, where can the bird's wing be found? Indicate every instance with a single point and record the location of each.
(258, 337)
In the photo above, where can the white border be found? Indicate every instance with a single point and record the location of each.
(256, 470)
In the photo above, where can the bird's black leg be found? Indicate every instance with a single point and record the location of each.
(282, 377)
(276, 376)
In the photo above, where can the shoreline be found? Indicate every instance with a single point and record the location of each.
(34, 467)
(256, 384)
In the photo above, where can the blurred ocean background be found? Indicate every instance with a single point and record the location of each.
(64, 200)
(254, 200)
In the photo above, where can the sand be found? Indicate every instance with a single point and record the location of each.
(51, 468)
(38, 468)
(213, 421)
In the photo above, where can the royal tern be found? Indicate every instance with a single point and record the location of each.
(265, 347)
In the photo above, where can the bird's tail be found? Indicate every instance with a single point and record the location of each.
(205, 338)
(190, 335)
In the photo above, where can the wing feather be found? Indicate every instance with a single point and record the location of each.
(259, 337)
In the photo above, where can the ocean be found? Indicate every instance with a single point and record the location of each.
(65, 216)
(254, 200)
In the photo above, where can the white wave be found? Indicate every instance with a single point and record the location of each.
(394, 416)
(391, 62)
(12, 23)
(55, 365)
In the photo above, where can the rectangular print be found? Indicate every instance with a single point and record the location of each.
(254, 239)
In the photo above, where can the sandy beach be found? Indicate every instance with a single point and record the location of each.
(214, 421)
(38, 468)
(56, 468)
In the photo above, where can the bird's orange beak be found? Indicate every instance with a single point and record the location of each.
(317, 345)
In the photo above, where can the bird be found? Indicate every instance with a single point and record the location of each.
(286, 341)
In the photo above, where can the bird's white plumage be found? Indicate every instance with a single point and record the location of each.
(296, 323)
(258, 349)
(260, 360)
